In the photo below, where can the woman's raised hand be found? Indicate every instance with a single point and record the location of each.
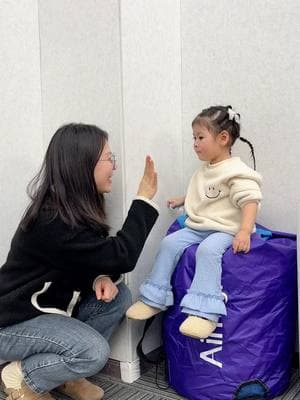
(148, 184)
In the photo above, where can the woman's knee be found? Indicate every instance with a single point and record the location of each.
(85, 348)
(124, 298)
(95, 354)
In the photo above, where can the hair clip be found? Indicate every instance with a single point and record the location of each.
(233, 115)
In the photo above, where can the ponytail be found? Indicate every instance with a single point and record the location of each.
(251, 148)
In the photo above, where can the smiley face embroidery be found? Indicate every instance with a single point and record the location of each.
(212, 192)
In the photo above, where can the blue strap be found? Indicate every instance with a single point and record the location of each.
(181, 220)
(265, 234)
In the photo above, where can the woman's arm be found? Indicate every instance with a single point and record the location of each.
(86, 252)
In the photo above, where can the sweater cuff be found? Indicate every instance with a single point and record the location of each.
(146, 200)
(258, 202)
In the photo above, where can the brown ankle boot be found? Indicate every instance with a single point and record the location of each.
(25, 393)
(81, 389)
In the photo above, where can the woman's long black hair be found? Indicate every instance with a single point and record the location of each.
(65, 184)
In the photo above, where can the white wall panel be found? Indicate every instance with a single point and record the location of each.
(245, 53)
(20, 104)
(81, 76)
(151, 63)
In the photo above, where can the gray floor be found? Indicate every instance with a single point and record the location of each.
(150, 387)
(146, 388)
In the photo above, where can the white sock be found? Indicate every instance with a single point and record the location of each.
(12, 375)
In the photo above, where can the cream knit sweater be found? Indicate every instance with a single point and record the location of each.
(217, 192)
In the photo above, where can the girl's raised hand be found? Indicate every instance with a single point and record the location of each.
(175, 202)
(148, 185)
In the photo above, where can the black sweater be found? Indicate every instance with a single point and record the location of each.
(50, 264)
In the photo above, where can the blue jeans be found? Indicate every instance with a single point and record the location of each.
(204, 298)
(54, 348)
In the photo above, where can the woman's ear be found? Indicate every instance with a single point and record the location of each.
(223, 138)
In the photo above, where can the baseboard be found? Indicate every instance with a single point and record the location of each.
(129, 371)
(112, 368)
(126, 371)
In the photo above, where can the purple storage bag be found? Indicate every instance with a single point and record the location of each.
(249, 356)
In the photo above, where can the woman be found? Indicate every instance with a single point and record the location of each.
(61, 295)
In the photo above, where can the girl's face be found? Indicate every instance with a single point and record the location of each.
(210, 147)
(103, 171)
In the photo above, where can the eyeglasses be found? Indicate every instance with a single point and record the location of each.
(112, 158)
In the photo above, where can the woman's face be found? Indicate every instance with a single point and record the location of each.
(103, 171)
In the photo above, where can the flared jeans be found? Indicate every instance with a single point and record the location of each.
(204, 298)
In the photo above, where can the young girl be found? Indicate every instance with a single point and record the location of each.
(63, 264)
(221, 204)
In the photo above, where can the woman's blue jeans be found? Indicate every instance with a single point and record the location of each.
(54, 348)
(204, 298)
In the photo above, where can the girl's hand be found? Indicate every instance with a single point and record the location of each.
(105, 289)
(175, 202)
(241, 242)
(148, 185)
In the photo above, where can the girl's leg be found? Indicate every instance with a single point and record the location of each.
(102, 316)
(156, 290)
(204, 298)
(53, 349)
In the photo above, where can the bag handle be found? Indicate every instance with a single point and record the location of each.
(157, 361)
(139, 348)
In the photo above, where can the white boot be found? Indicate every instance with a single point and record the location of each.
(140, 310)
(197, 327)
(15, 386)
(12, 375)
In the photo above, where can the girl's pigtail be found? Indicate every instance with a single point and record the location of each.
(251, 148)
